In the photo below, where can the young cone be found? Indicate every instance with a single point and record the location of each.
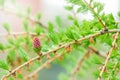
(36, 45)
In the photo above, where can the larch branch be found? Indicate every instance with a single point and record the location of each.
(108, 57)
(92, 9)
(59, 47)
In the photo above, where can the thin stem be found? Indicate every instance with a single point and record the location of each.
(96, 51)
(17, 34)
(59, 47)
(79, 64)
(44, 65)
(108, 56)
(21, 34)
(92, 9)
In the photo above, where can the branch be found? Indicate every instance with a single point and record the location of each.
(59, 47)
(30, 18)
(44, 65)
(17, 34)
(96, 51)
(20, 34)
(92, 9)
(79, 64)
(108, 56)
(80, 61)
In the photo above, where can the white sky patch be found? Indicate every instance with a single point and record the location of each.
(111, 6)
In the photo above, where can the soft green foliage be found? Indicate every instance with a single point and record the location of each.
(11, 56)
(1, 2)
(69, 8)
(54, 37)
(23, 54)
(1, 46)
(28, 11)
(38, 16)
(74, 40)
(118, 14)
(50, 27)
(4, 65)
(38, 29)
(26, 25)
(58, 21)
(7, 27)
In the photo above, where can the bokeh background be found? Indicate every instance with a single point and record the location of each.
(49, 9)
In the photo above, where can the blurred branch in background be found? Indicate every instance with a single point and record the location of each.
(21, 34)
(29, 17)
(77, 68)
